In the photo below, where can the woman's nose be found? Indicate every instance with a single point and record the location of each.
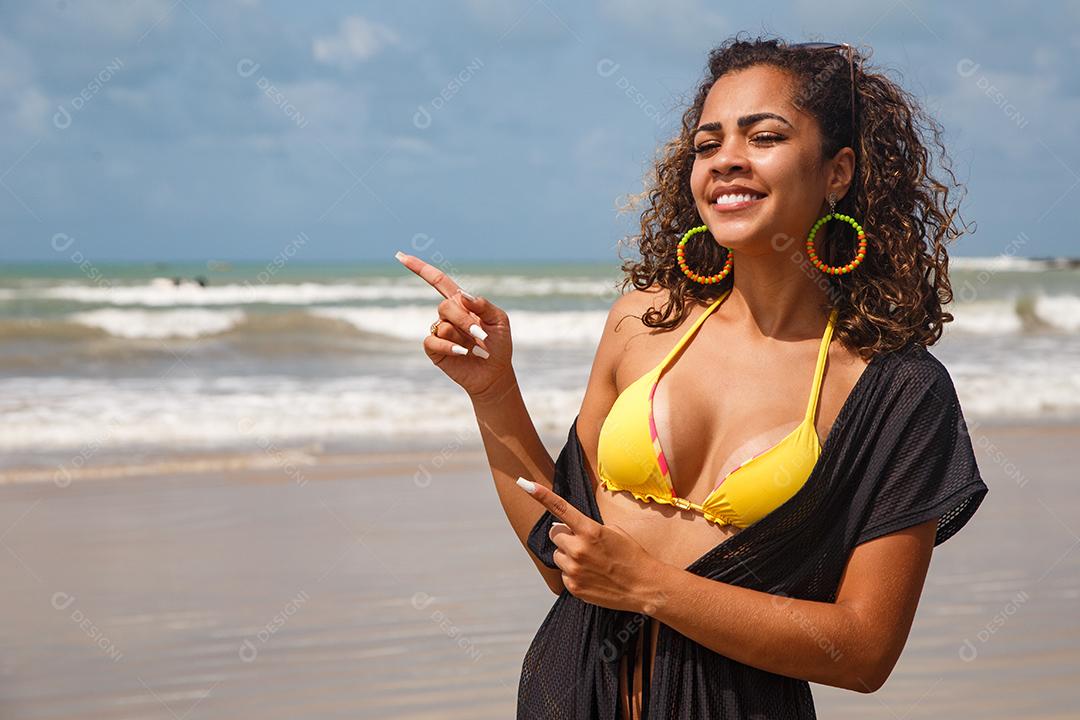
(728, 159)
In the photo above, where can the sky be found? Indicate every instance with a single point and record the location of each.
(162, 130)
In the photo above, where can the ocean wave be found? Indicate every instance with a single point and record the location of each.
(309, 293)
(159, 324)
(1059, 311)
(190, 323)
(988, 317)
(155, 295)
(89, 415)
(403, 323)
(1005, 263)
(409, 323)
(1023, 314)
(528, 327)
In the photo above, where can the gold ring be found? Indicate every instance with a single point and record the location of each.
(435, 327)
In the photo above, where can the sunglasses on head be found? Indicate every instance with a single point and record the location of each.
(850, 52)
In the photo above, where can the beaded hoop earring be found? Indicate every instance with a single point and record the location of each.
(681, 254)
(859, 255)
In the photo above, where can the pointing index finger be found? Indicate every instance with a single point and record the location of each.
(576, 520)
(431, 274)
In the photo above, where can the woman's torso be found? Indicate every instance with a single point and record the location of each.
(712, 408)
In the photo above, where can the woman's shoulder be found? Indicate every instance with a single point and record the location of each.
(638, 300)
(916, 360)
(914, 368)
(632, 305)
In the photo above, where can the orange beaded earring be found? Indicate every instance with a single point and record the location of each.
(859, 255)
(681, 254)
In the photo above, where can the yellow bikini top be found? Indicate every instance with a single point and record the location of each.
(629, 456)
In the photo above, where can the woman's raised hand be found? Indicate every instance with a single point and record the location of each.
(472, 344)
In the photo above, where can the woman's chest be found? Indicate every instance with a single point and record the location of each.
(674, 536)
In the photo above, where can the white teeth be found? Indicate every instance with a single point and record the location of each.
(730, 199)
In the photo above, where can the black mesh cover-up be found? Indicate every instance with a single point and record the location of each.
(897, 455)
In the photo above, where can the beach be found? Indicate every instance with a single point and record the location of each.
(390, 585)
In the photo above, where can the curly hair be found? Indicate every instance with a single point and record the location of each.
(896, 294)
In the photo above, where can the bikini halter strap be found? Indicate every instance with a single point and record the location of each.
(819, 370)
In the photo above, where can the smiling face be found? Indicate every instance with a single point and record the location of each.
(754, 143)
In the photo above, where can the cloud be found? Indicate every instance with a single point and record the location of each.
(692, 22)
(23, 106)
(357, 40)
(31, 109)
(113, 21)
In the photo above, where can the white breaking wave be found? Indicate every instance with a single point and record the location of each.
(235, 294)
(89, 415)
(997, 263)
(536, 327)
(86, 415)
(310, 293)
(1060, 311)
(159, 324)
(1041, 382)
(988, 317)
(523, 286)
(527, 327)
(1005, 316)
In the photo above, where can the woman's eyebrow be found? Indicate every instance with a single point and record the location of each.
(744, 121)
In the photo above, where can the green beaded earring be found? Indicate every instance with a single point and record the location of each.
(859, 255)
(681, 254)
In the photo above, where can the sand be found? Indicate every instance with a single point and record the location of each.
(390, 585)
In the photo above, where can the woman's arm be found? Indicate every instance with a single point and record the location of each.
(853, 643)
(513, 446)
(514, 450)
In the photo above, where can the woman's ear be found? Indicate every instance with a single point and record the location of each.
(841, 172)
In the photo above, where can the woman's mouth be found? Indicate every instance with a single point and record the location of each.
(729, 202)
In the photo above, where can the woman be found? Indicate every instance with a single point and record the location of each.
(764, 516)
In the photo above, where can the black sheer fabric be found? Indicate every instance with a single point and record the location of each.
(897, 455)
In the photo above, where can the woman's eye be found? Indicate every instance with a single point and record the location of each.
(759, 138)
(705, 148)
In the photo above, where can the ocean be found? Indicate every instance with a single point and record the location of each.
(103, 360)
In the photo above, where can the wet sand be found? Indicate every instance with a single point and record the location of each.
(390, 585)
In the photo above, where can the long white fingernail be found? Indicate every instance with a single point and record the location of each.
(459, 350)
(471, 297)
(562, 524)
(527, 485)
(399, 255)
(477, 332)
(480, 352)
